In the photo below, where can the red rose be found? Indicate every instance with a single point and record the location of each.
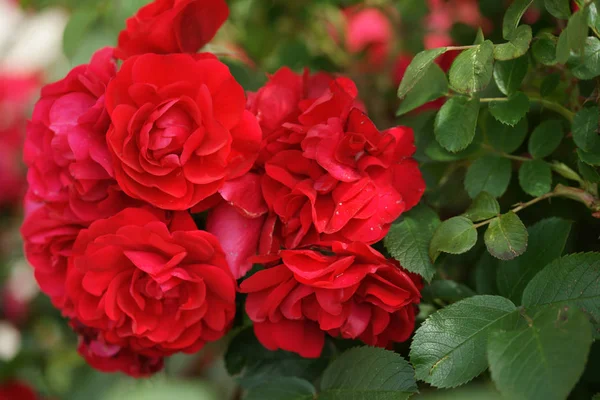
(49, 239)
(370, 30)
(112, 358)
(349, 290)
(65, 148)
(179, 128)
(346, 181)
(151, 286)
(12, 390)
(172, 26)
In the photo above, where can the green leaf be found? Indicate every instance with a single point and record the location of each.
(535, 177)
(587, 65)
(417, 69)
(506, 237)
(485, 274)
(472, 70)
(504, 137)
(585, 129)
(544, 49)
(546, 242)
(517, 46)
(445, 291)
(560, 9)
(512, 17)
(436, 152)
(545, 358)
(157, 389)
(77, 28)
(365, 373)
(512, 110)
(484, 206)
(549, 84)
(433, 86)
(545, 139)
(589, 158)
(455, 236)
(449, 349)
(479, 37)
(408, 241)
(510, 74)
(570, 280)
(282, 389)
(456, 122)
(588, 172)
(488, 174)
(573, 36)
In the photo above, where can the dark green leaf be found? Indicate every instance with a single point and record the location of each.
(417, 69)
(504, 137)
(472, 70)
(572, 279)
(545, 139)
(488, 174)
(585, 129)
(456, 122)
(546, 242)
(436, 152)
(485, 274)
(588, 172)
(433, 86)
(545, 358)
(512, 17)
(573, 36)
(512, 110)
(506, 237)
(408, 241)
(560, 9)
(544, 49)
(484, 206)
(366, 373)
(445, 291)
(449, 349)
(587, 65)
(510, 74)
(549, 84)
(282, 389)
(589, 158)
(535, 177)
(455, 236)
(516, 47)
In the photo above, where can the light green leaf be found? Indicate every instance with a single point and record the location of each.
(510, 74)
(488, 174)
(366, 373)
(291, 388)
(472, 70)
(560, 9)
(512, 17)
(408, 240)
(587, 66)
(449, 349)
(455, 236)
(436, 152)
(506, 237)
(573, 36)
(585, 129)
(512, 110)
(570, 280)
(517, 46)
(544, 49)
(456, 122)
(433, 86)
(445, 291)
(484, 206)
(417, 69)
(545, 139)
(546, 242)
(545, 358)
(535, 177)
(504, 137)
(479, 37)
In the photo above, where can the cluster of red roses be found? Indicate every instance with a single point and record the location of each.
(294, 177)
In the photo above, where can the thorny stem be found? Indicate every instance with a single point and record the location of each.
(568, 192)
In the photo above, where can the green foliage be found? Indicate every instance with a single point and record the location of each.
(408, 240)
(511, 111)
(587, 65)
(490, 174)
(455, 236)
(504, 137)
(585, 129)
(512, 17)
(366, 373)
(445, 291)
(472, 70)
(545, 138)
(573, 37)
(456, 123)
(544, 358)
(449, 349)
(535, 177)
(433, 85)
(544, 49)
(282, 389)
(418, 69)
(510, 74)
(484, 206)
(560, 9)
(506, 237)
(517, 46)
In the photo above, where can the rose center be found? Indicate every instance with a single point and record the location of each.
(169, 132)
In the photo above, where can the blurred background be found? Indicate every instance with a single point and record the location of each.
(41, 40)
